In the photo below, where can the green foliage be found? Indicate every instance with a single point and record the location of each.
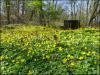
(46, 51)
(36, 4)
(48, 11)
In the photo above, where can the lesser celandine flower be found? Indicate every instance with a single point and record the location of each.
(54, 45)
(72, 48)
(70, 56)
(13, 61)
(80, 58)
(17, 62)
(30, 48)
(1, 58)
(47, 56)
(30, 72)
(88, 54)
(64, 60)
(72, 64)
(83, 53)
(93, 52)
(22, 60)
(85, 48)
(95, 62)
(60, 49)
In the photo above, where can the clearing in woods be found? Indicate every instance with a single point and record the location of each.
(41, 50)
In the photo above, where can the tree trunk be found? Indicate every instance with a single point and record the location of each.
(17, 13)
(23, 7)
(8, 11)
(32, 12)
(41, 14)
(71, 11)
(74, 11)
(55, 5)
(95, 11)
(80, 10)
(87, 12)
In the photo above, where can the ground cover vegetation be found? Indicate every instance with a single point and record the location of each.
(38, 50)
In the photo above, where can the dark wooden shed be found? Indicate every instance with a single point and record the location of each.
(71, 24)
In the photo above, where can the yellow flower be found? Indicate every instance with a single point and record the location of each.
(60, 49)
(80, 58)
(72, 48)
(64, 60)
(83, 53)
(13, 61)
(19, 57)
(54, 45)
(68, 55)
(69, 44)
(48, 46)
(6, 57)
(88, 54)
(71, 57)
(30, 48)
(1, 58)
(72, 64)
(95, 62)
(30, 72)
(98, 56)
(32, 52)
(47, 56)
(29, 51)
(93, 52)
(85, 48)
(17, 62)
(39, 45)
(22, 60)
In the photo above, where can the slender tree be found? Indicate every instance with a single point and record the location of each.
(8, 10)
(95, 12)
(87, 12)
(23, 7)
(41, 16)
(74, 5)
